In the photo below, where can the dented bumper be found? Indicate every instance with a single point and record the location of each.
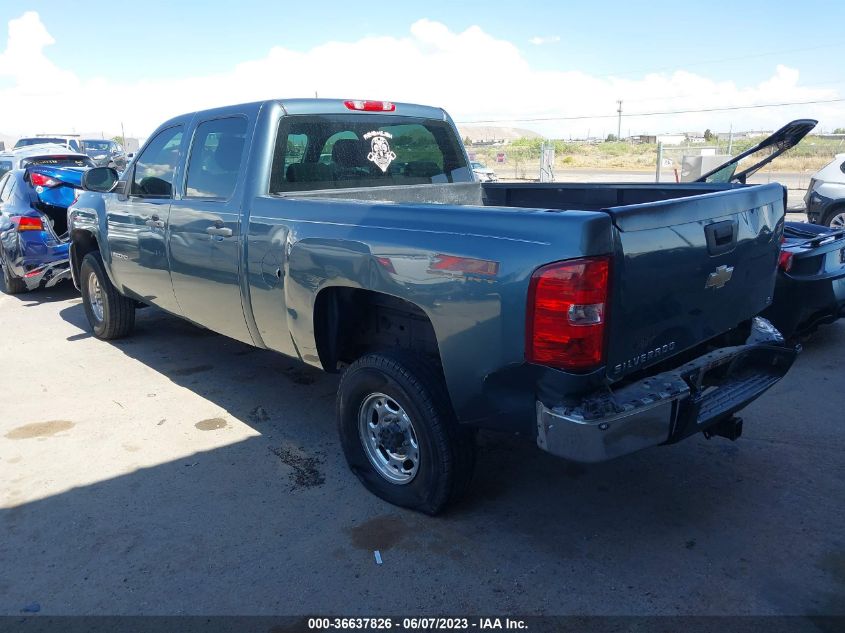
(669, 406)
(47, 275)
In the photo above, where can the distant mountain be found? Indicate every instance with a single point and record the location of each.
(478, 133)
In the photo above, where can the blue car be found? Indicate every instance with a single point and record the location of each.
(33, 224)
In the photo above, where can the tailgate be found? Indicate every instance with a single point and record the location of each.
(689, 269)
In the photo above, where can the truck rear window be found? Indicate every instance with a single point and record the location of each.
(346, 151)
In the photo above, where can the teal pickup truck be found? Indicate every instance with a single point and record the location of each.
(600, 319)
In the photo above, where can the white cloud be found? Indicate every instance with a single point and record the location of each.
(539, 41)
(470, 73)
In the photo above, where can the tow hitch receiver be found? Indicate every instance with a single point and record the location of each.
(730, 428)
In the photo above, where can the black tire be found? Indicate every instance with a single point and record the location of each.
(11, 285)
(828, 217)
(446, 450)
(118, 312)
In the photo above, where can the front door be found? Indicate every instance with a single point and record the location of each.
(205, 229)
(137, 223)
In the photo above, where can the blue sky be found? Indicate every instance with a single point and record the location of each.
(168, 38)
(613, 42)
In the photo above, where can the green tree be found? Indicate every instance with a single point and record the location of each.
(611, 138)
(709, 136)
(839, 130)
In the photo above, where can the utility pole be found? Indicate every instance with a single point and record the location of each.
(122, 136)
(619, 121)
(731, 139)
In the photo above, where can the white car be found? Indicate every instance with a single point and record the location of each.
(825, 198)
(483, 173)
(68, 141)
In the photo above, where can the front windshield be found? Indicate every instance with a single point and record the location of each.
(40, 140)
(97, 146)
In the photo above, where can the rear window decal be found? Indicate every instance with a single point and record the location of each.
(380, 153)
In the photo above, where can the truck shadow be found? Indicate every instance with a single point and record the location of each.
(254, 515)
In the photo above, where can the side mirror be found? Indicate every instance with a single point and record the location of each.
(100, 179)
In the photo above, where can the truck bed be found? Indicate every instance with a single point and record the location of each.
(674, 249)
(556, 196)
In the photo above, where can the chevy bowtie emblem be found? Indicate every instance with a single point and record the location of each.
(719, 278)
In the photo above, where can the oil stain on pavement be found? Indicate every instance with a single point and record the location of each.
(39, 429)
(211, 424)
(381, 532)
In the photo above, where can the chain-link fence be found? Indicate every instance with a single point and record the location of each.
(627, 161)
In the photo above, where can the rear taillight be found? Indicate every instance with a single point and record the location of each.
(567, 312)
(370, 106)
(28, 223)
(785, 261)
(40, 180)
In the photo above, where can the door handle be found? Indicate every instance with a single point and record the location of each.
(219, 231)
(155, 222)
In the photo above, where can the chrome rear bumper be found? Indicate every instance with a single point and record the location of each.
(669, 406)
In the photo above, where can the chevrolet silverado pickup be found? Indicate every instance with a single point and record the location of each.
(597, 319)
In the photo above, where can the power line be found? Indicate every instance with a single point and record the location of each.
(662, 113)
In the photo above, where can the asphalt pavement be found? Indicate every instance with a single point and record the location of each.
(180, 472)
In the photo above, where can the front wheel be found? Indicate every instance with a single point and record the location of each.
(110, 314)
(399, 433)
(835, 219)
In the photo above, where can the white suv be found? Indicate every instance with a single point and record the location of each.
(825, 198)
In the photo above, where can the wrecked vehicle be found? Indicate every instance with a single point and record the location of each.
(810, 289)
(33, 221)
(599, 319)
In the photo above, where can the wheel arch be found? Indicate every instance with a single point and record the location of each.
(82, 242)
(834, 208)
(350, 321)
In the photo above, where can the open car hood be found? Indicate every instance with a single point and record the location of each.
(779, 142)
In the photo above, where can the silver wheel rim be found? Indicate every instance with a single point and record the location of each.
(389, 439)
(838, 221)
(95, 296)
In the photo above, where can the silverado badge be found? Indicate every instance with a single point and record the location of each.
(719, 278)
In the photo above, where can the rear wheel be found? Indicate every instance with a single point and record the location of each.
(110, 314)
(399, 433)
(835, 218)
(11, 285)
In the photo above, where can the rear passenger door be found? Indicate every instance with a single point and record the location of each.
(205, 230)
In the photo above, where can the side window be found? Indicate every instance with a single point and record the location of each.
(216, 154)
(74, 145)
(5, 166)
(153, 175)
